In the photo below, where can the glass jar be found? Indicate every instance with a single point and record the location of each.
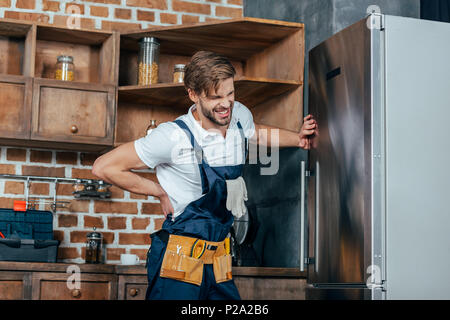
(178, 73)
(148, 63)
(78, 186)
(151, 126)
(93, 247)
(65, 68)
(102, 187)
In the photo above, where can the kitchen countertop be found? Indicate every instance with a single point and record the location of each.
(140, 269)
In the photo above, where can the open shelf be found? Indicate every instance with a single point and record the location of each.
(16, 42)
(93, 53)
(249, 91)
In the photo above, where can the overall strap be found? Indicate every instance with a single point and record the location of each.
(244, 144)
(197, 149)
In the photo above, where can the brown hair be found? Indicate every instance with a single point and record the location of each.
(205, 71)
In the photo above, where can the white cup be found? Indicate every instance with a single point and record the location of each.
(129, 259)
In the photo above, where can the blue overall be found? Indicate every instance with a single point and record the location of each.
(206, 218)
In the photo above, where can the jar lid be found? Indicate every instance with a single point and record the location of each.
(94, 235)
(65, 59)
(150, 40)
(179, 66)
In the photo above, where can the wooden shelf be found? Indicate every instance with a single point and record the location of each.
(249, 91)
(238, 39)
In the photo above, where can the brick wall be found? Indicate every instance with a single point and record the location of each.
(121, 14)
(127, 219)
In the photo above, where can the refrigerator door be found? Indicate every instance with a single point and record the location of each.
(417, 159)
(339, 161)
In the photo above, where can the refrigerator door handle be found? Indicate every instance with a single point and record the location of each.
(316, 218)
(302, 217)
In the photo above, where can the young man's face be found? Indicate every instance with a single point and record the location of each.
(217, 106)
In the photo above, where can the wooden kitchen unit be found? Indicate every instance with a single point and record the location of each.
(104, 107)
(268, 57)
(49, 281)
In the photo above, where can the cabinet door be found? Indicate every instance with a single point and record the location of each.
(55, 286)
(15, 285)
(73, 112)
(132, 287)
(15, 106)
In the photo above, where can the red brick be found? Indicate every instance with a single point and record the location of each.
(71, 8)
(14, 187)
(67, 220)
(115, 207)
(58, 235)
(141, 253)
(48, 5)
(168, 18)
(114, 253)
(152, 4)
(185, 19)
(40, 156)
(191, 7)
(134, 238)
(158, 223)
(235, 2)
(83, 174)
(105, 1)
(151, 208)
(7, 169)
(228, 12)
(26, 4)
(64, 189)
(5, 3)
(140, 223)
(116, 192)
(99, 11)
(61, 21)
(145, 15)
(66, 158)
(91, 222)
(76, 206)
(13, 154)
(6, 202)
(39, 188)
(29, 16)
(119, 26)
(116, 223)
(68, 253)
(88, 159)
(43, 171)
(122, 13)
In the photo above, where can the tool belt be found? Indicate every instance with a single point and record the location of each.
(185, 256)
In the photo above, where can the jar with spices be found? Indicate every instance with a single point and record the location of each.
(102, 187)
(78, 186)
(65, 68)
(178, 73)
(148, 61)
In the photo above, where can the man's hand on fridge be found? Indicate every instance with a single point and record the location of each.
(308, 129)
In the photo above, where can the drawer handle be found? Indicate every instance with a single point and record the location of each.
(134, 292)
(76, 293)
(74, 129)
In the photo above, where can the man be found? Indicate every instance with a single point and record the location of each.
(198, 160)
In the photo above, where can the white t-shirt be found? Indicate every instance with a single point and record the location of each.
(168, 150)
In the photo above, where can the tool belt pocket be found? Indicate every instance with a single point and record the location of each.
(222, 268)
(181, 267)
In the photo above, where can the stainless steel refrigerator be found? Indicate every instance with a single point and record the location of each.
(377, 183)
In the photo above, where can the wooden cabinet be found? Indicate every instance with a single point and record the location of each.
(94, 112)
(267, 55)
(75, 112)
(15, 285)
(36, 109)
(132, 287)
(53, 286)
